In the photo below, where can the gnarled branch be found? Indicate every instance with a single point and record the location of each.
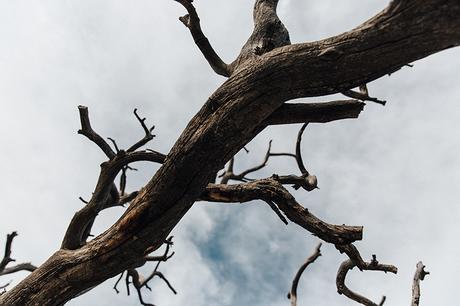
(271, 190)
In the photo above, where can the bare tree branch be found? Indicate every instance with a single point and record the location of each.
(7, 256)
(133, 277)
(106, 194)
(292, 295)
(192, 22)
(148, 134)
(420, 274)
(357, 261)
(20, 267)
(7, 259)
(290, 113)
(362, 95)
(88, 131)
(272, 190)
(230, 175)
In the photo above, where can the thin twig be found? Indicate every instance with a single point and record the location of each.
(292, 295)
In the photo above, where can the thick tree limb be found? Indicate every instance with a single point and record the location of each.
(420, 274)
(292, 295)
(290, 113)
(404, 32)
(271, 190)
(192, 22)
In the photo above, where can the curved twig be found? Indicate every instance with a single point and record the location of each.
(292, 295)
(192, 22)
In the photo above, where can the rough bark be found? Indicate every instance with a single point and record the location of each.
(264, 77)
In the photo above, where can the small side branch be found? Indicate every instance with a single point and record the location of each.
(7, 256)
(292, 295)
(420, 274)
(362, 95)
(133, 277)
(290, 113)
(7, 259)
(192, 22)
(88, 131)
(148, 133)
(229, 173)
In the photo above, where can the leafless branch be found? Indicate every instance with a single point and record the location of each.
(420, 274)
(272, 190)
(88, 131)
(357, 261)
(230, 175)
(305, 181)
(148, 133)
(292, 295)
(133, 277)
(20, 267)
(7, 259)
(192, 22)
(7, 256)
(323, 112)
(106, 194)
(362, 95)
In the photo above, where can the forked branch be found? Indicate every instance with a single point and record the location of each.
(357, 261)
(271, 190)
(8, 259)
(106, 194)
(133, 276)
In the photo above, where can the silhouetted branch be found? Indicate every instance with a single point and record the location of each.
(362, 95)
(7, 259)
(88, 131)
(357, 261)
(192, 22)
(133, 277)
(292, 295)
(106, 194)
(323, 112)
(148, 133)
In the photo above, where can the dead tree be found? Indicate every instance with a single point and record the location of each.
(268, 72)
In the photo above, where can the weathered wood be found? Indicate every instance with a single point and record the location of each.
(232, 116)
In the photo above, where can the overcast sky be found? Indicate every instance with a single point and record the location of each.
(395, 170)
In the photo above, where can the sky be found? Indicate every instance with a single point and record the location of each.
(395, 170)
